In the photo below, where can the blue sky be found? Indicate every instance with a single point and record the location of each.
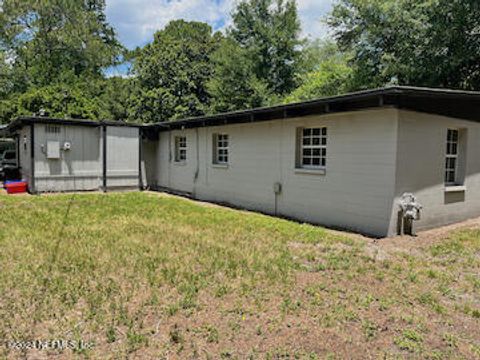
(137, 20)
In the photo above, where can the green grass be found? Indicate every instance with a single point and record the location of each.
(159, 277)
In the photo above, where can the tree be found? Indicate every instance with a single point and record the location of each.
(5, 76)
(52, 56)
(45, 39)
(115, 97)
(235, 85)
(60, 101)
(269, 30)
(265, 44)
(330, 74)
(172, 72)
(411, 42)
(87, 98)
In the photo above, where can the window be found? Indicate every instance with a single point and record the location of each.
(180, 148)
(220, 152)
(451, 160)
(313, 148)
(52, 129)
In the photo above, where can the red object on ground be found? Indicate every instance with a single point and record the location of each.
(16, 187)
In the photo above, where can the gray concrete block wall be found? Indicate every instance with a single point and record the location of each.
(355, 192)
(421, 167)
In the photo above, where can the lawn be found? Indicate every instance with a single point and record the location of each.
(145, 275)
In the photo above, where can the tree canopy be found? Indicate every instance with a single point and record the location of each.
(45, 39)
(259, 63)
(327, 73)
(48, 49)
(432, 43)
(55, 55)
(172, 72)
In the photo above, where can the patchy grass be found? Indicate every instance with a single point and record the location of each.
(153, 276)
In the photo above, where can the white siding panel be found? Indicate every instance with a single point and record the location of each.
(122, 157)
(77, 169)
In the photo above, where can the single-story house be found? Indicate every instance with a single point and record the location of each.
(371, 162)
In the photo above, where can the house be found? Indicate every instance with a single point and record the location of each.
(364, 161)
(344, 161)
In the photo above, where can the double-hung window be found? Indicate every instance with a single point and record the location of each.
(452, 157)
(180, 148)
(220, 152)
(313, 148)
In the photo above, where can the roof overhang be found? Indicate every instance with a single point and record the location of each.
(453, 103)
(23, 121)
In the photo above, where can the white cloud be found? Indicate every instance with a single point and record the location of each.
(312, 14)
(137, 20)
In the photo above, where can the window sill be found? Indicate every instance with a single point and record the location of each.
(310, 171)
(220, 166)
(455, 188)
(180, 163)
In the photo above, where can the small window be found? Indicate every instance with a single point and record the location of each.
(180, 148)
(220, 153)
(313, 148)
(451, 159)
(52, 129)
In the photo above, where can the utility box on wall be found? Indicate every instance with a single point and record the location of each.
(53, 150)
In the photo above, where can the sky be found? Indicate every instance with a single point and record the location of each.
(137, 20)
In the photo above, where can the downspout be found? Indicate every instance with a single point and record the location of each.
(104, 158)
(32, 159)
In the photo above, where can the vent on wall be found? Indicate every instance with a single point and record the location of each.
(52, 129)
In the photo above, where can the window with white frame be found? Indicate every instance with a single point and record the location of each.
(313, 148)
(220, 152)
(451, 159)
(180, 148)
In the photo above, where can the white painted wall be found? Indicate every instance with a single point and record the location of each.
(421, 165)
(356, 191)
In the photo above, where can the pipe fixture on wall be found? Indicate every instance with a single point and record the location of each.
(409, 212)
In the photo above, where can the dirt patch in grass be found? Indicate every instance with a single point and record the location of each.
(143, 275)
